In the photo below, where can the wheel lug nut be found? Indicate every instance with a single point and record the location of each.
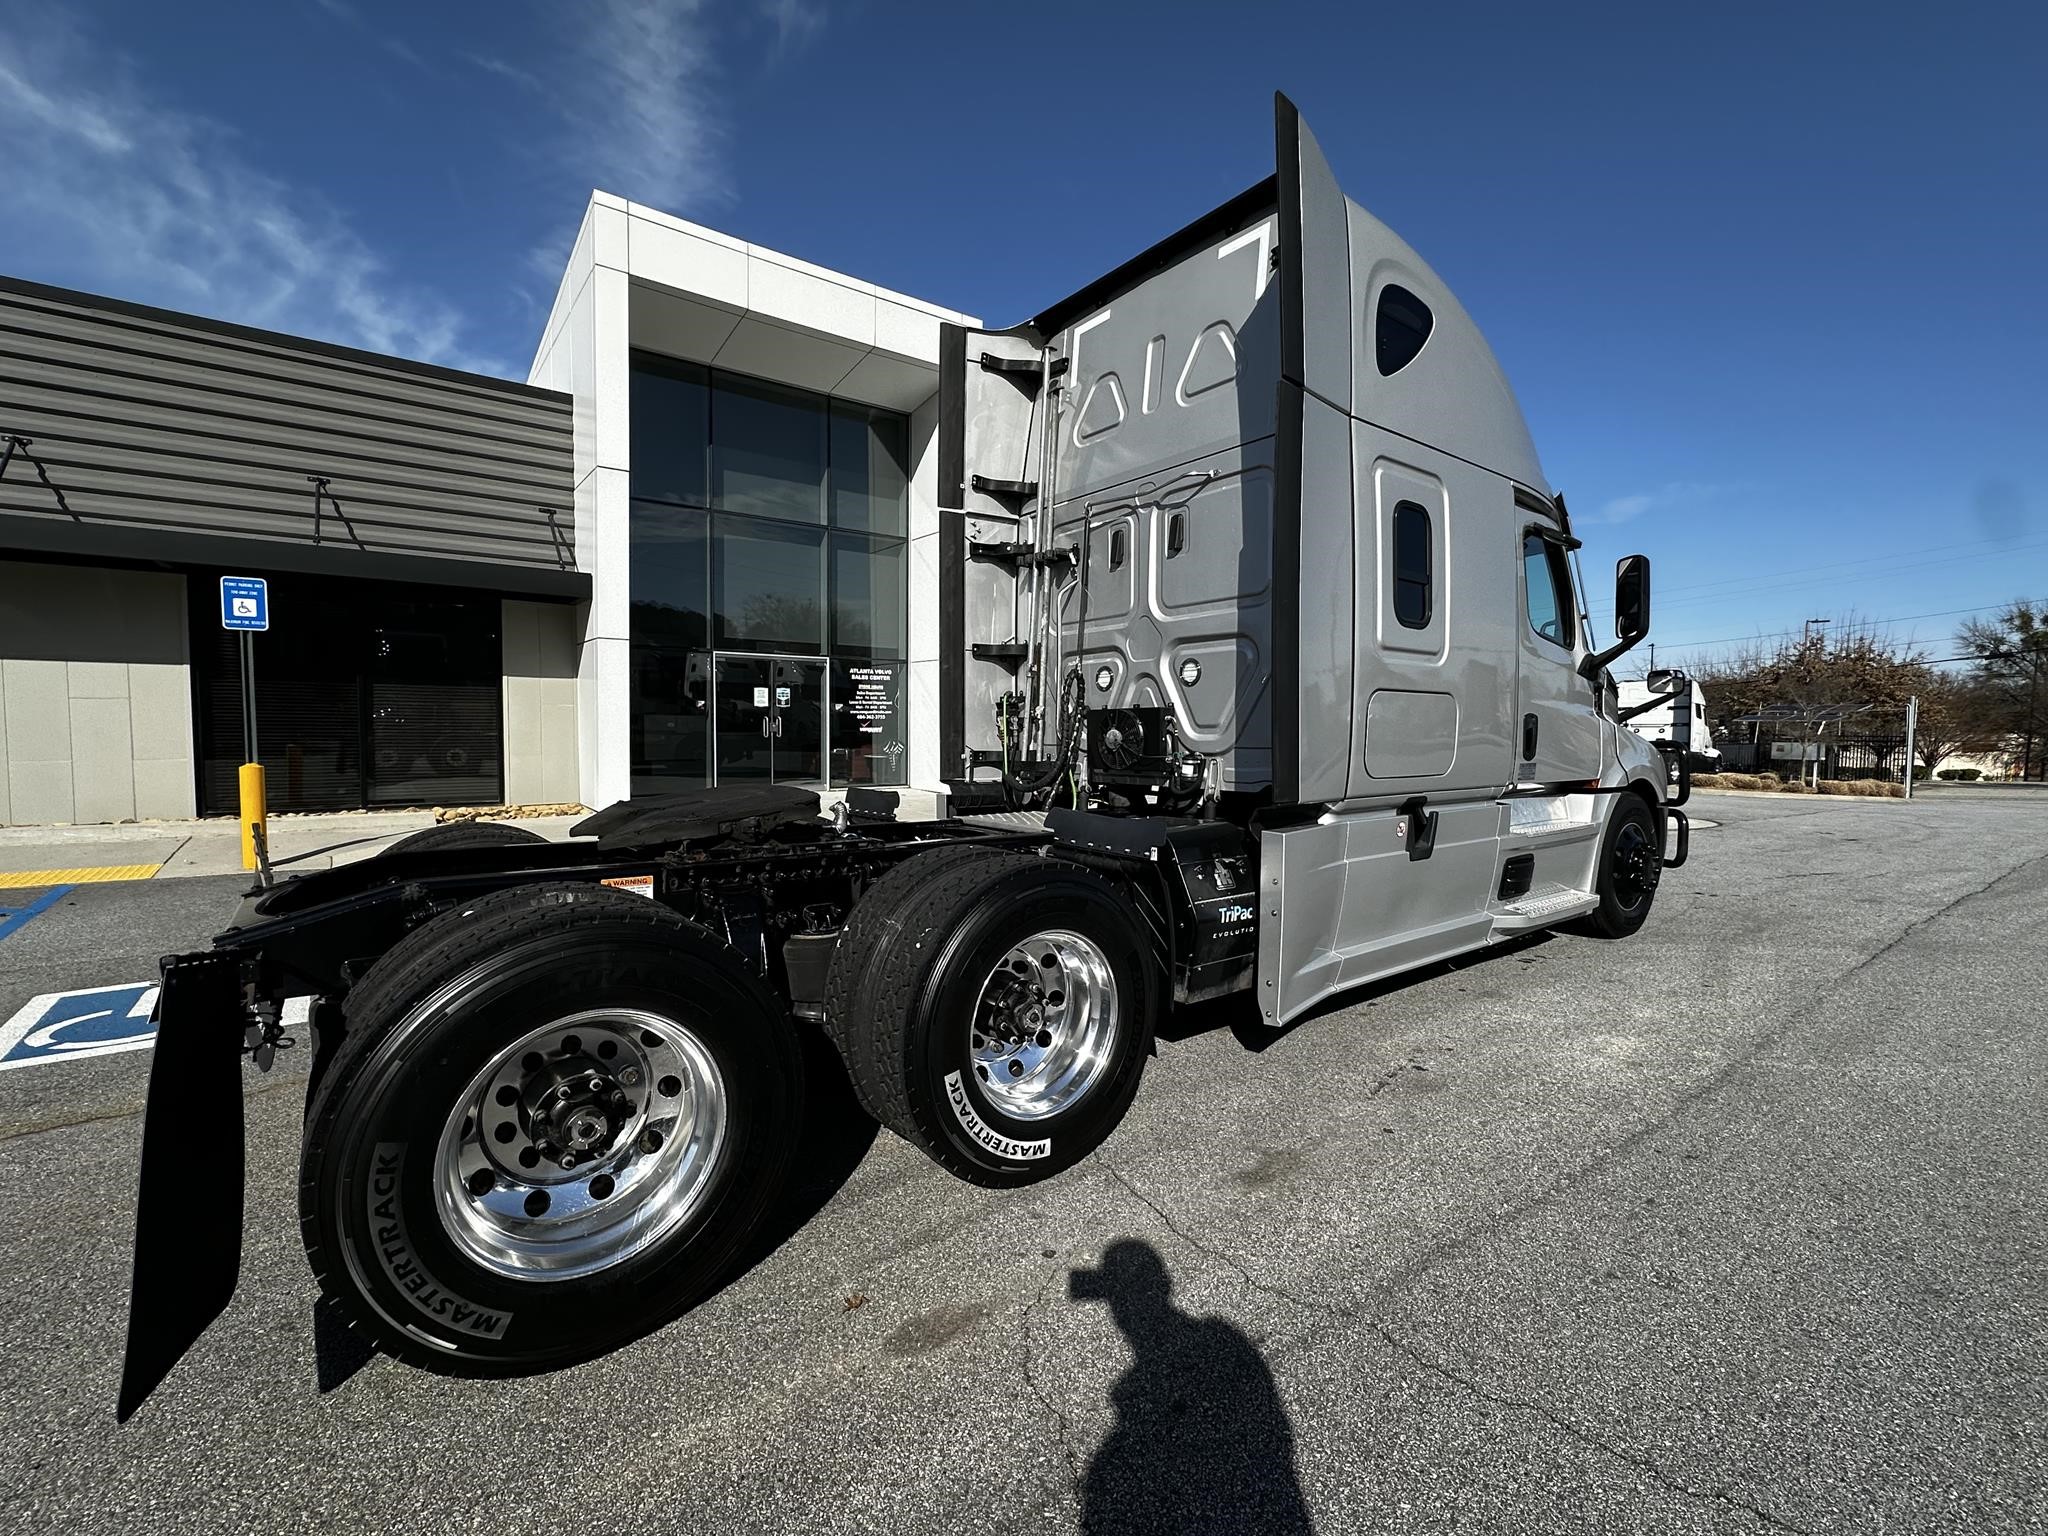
(568, 1159)
(630, 1077)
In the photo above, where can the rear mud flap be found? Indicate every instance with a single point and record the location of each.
(188, 1210)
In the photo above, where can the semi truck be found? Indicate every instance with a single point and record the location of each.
(1670, 709)
(1266, 673)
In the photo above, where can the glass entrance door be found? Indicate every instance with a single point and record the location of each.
(770, 716)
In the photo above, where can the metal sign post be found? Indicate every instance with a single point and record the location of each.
(1912, 720)
(245, 607)
(249, 753)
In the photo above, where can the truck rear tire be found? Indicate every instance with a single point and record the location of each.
(462, 834)
(1631, 864)
(556, 1117)
(995, 1009)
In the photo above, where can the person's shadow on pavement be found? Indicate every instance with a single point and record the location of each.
(1201, 1442)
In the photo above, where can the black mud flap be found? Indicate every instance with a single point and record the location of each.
(188, 1211)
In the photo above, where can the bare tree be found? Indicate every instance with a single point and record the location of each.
(1956, 715)
(1854, 665)
(2011, 650)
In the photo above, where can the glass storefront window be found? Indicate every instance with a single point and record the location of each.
(868, 741)
(670, 572)
(671, 711)
(767, 450)
(671, 425)
(867, 595)
(767, 524)
(870, 468)
(368, 693)
(770, 586)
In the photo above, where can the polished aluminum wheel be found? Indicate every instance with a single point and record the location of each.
(581, 1144)
(1045, 1025)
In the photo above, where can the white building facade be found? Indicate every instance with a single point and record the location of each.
(755, 509)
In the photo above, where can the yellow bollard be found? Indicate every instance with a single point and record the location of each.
(252, 812)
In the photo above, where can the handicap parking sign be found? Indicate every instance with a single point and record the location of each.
(68, 1026)
(244, 602)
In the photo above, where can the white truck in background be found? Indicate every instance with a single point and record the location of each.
(1678, 718)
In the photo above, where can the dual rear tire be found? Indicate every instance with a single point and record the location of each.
(556, 1117)
(557, 1114)
(994, 1009)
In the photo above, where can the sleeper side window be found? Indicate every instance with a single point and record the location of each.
(1414, 569)
(1547, 582)
(1401, 325)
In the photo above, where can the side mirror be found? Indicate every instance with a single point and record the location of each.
(1631, 613)
(1666, 680)
(1632, 599)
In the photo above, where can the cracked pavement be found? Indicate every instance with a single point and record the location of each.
(1736, 1226)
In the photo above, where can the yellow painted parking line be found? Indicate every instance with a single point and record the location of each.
(21, 879)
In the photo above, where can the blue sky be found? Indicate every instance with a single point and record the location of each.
(1767, 278)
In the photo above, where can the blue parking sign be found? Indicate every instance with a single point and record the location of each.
(67, 1026)
(244, 602)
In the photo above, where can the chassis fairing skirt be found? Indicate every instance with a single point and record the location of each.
(188, 1211)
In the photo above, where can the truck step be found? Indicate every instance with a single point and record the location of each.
(1018, 490)
(1009, 821)
(1544, 900)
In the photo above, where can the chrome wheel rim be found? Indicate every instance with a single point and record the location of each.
(1045, 1025)
(581, 1144)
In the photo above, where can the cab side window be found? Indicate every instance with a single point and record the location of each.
(1547, 581)
(1414, 580)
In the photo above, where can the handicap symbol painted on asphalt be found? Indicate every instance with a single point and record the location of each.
(67, 1026)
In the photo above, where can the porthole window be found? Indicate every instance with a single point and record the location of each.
(1413, 577)
(1400, 328)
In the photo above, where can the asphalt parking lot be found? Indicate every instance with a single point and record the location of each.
(1735, 1226)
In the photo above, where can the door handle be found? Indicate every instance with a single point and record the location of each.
(778, 727)
(767, 725)
(1528, 738)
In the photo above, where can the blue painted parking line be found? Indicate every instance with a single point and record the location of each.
(12, 918)
(69, 1026)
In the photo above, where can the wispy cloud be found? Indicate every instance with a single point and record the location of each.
(1669, 496)
(110, 188)
(796, 22)
(643, 119)
(491, 64)
(390, 42)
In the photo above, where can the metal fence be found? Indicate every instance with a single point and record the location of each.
(1838, 757)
